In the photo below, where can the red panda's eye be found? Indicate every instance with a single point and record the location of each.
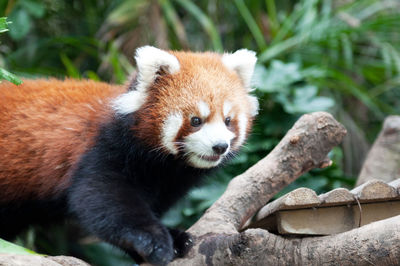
(227, 121)
(195, 121)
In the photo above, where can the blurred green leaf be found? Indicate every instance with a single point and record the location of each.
(71, 69)
(104, 254)
(21, 24)
(251, 23)
(205, 21)
(305, 100)
(278, 77)
(10, 248)
(35, 8)
(127, 11)
(3, 24)
(4, 74)
(92, 75)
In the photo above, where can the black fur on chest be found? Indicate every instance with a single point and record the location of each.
(121, 188)
(160, 179)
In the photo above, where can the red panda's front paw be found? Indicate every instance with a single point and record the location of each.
(154, 247)
(183, 242)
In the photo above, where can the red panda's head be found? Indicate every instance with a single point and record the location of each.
(193, 105)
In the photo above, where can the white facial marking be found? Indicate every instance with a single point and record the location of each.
(242, 124)
(242, 61)
(203, 109)
(149, 61)
(129, 102)
(169, 131)
(227, 108)
(196, 161)
(201, 142)
(254, 106)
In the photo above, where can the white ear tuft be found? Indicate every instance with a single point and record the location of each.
(150, 61)
(242, 61)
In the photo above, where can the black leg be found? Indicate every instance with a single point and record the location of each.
(116, 212)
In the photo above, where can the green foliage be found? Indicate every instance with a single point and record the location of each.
(287, 84)
(4, 74)
(22, 15)
(337, 56)
(10, 248)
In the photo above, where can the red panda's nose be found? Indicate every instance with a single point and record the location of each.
(220, 148)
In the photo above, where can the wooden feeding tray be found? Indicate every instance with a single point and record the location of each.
(302, 212)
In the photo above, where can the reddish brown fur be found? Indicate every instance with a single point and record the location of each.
(45, 125)
(202, 76)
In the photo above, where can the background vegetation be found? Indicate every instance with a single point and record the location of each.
(342, 56)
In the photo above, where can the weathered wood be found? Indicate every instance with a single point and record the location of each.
(339, 196)
(302, 212)
(298, 198)
(334, 220)
(374, 190)
(396, 185)
(383, 159)
(37, 260)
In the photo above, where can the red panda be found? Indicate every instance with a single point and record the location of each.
(117, 157)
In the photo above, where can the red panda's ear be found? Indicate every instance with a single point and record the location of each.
(242, 62)
(152, 62)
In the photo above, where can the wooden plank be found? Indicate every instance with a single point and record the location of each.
(298, 198)
(333, 220)
(304, 198)
(268, 223)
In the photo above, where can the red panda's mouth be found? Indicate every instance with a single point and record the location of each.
(211, 158)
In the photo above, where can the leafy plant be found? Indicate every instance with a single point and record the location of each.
(4, 74)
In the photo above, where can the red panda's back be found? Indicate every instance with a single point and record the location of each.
(45, 125)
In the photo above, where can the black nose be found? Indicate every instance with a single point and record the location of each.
(220, 148)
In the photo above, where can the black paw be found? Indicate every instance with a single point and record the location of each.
(183, 242)
(154, 245)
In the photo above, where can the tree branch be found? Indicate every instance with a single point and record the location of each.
(216, 234)
(304, 147)
(373, 244)
(383, 160)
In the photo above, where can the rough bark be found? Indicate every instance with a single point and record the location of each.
(37, 260)
(374, 244)
(383, 160)
(218, 240)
